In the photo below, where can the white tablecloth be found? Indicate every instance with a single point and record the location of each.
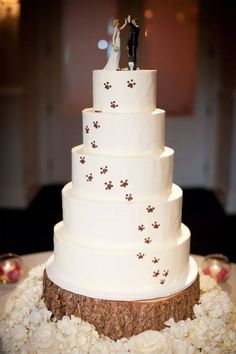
(32, 260)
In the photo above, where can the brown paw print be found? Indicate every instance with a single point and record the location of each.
(150, 209)
(131, 83)
(82, 160)
(124, 183)
(86, 129)
(96, 125)
(89, 177)
(165, 273)
(156, 273)
(147, 240)
(155, 225)
(162, 281)
(94, 146)
(107, 85)
(140, 255)
(97, 111)
(141, 227)
(109, 185)
(128, 197)
(103, 170)
(113, 104)
(155, 260)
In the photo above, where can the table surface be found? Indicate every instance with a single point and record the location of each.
(34, 259)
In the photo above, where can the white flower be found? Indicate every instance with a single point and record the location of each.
(150, 342)
(230, 341)
(20, 333)
(215, 304)
(26, 327)
(43, 336)
(179, 330)
(182, 347)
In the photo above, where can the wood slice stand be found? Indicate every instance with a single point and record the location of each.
(118, 319)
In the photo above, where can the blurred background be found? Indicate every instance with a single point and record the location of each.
(48, 50)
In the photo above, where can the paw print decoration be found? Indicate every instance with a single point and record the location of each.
(124, 183)
(155, 225)
(114, 104)
(86, 129)
(156, 273)
(150, 209)
(93, 144)
(147, 240)
(128, 197)
(82, 160)
(165, 273)
(140, 255)
(96, 125)
(141, 227)
(103, 170)
(108, 185)
(107, 85)
(89, 177)
(131, 83)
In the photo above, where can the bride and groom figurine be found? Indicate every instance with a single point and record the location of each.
(114, 59)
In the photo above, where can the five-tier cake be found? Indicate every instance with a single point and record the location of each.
(121, 253)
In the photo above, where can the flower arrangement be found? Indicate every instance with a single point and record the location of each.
(26, 327)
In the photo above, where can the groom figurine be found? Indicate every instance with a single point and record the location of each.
(132, 42)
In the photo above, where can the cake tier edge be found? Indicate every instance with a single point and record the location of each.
(118, 319)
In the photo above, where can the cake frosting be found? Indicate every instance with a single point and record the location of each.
(129, 134)
(122, 236)
(124, 91)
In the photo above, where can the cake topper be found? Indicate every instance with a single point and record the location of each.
(114, 59)
(132, 42)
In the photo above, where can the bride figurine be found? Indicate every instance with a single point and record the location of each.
(114, 59)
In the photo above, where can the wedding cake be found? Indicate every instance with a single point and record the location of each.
(121, 254)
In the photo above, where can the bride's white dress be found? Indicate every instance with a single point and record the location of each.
(114, 59)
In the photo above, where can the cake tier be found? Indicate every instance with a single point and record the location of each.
(118, 319)
(124, 134)
(124, 224)
(112, 177)
(124, 91)
(121, 274)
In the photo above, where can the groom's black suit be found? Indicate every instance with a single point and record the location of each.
(133, 43)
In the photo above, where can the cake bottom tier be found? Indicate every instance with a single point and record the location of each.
(118, 319)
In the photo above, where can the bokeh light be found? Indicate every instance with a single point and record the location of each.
(148, 30)
(180, 17)
(148, 14)
(102, 44)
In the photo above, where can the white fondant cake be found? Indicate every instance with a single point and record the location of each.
(121, 237)
(140, 134)
(124, 91)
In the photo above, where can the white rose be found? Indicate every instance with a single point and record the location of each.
(182, 347)
(230, 341)
(43, 336)
(178, 330)
(35, 317)
(20, 333)
(101, 348)
(150, 342)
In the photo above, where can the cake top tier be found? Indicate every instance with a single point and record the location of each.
(124, 91)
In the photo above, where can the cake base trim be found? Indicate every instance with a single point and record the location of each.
(26, 326)
(118, 319)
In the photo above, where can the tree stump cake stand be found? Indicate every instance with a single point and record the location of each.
(118, 319)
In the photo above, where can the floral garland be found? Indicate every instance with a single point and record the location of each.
(26, 327)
